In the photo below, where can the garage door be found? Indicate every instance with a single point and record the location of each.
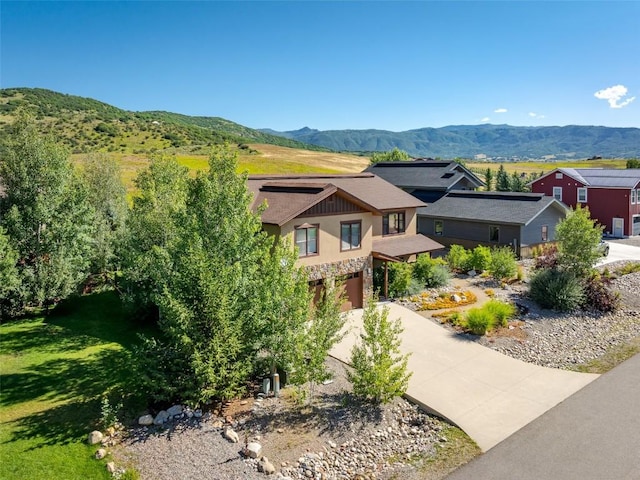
(353, 291)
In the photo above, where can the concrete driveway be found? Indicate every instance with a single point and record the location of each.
(620, 251)
(487, 394)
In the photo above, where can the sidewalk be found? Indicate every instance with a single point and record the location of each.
(487, 394)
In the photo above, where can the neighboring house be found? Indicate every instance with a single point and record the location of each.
(611, 195)
(342, 225)
(521, 220)
(426, 179)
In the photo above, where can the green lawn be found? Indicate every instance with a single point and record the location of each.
(54, 371)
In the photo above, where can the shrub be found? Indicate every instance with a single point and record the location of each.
(431, 272)
(457, 258)
(500, 311)
(478, 321)
(399, 279)
(628, 268)
(438, 277)
(598, 296)
(547, 258)
(557, 290)
(480, 258)
(503, 263)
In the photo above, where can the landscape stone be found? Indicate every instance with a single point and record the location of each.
(175, 410)
(145, 420)
(95, 437)
(253, 450)
(266, 466)
(111, 467)
(161, 418)
(101, 453)
(231, 435)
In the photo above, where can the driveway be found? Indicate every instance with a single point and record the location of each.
(593, 435)
(621, 251)
(487, 394)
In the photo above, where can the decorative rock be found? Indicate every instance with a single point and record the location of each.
(231, 435)
(161, 418)
(111, 431)
(253, 450)
(472, 273)
(456, 298)
(95, 437)
(197, 413)
(266, 466)
(101, 453)
(175, 410)
(217, 424)
(111, 467)
(146, 420)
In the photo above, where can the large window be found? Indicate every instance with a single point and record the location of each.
(438, 227)
(494, 233)
(557, 193)
(582, 195)
(307, 240)
(350, 235)
(393, 223)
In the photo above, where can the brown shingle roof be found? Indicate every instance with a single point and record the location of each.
(397, 246)
(367, 188)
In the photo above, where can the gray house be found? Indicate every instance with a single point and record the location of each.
(427, 179)
(521, 220)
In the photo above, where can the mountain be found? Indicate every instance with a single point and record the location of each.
(86, 125)
(466, 141)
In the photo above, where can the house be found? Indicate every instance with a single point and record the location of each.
(520, 220)
(427, 179)
(342, 225)
(611, 195)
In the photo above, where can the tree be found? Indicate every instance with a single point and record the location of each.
(633, 163)
(46, 215)
(488, 179)
(502, 180)
(395, 155)
(503, 263)
(107, 195)
(9, 279)
(517, 184)
(379, 370)
(578, 240)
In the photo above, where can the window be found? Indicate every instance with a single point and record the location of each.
(557, 193)
(307, 240)
(634, 196)
(438, 227)
(494, 233)
(350, 235)
(559, 175)
(393, 223)
(545, 233)
(582, 195)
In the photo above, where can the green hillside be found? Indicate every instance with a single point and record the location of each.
(87, 125)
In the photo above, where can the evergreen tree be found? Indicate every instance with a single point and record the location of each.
(379, 370)
(488, 180)
(516, 184)
(502, 180)
(46, 215)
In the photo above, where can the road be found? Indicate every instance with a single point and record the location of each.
(621, 250)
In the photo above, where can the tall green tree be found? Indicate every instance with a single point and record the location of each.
(578, 238)
(107, 195)
(517, 184)
(46, 214)
(633, 163)
(379, 369)
(9, 279)
(395, 155)
(488, 179)
(503, 183)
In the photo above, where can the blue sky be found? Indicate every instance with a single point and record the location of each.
(337, 65)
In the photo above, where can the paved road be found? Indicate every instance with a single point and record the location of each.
(487, 394)
(620, 251)
(593, 435)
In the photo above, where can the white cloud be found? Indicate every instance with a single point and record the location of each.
(500, 110)
(485, 119)
(535, 115)
(615, 96)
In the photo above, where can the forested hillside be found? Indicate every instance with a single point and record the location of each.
(85, 125)
(494, 141)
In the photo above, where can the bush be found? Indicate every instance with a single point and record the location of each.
(500, 311)
(457, 258)
(480, 258)
(479, 321)
(400, 274)
(439, 277)
(598, 296)
(557, 290)
(503, 263)
(430, 272)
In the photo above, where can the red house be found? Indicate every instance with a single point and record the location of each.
(611, 195)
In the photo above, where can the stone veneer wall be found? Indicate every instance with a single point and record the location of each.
(345, 267)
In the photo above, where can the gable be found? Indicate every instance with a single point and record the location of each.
(335, 204)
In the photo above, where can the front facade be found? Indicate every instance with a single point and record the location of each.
(519, 220)
(426, 179)
(611, 195)
(341, 225)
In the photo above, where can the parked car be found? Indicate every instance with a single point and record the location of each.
(603, 247)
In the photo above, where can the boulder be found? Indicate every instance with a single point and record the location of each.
(456, 298)
(231, 435)
(253, 450)
(266, 466)
(161, 418)
(111, 467)
(472, 273)
(101, 453)
(95, 437)
(145, 420)
(175, 410)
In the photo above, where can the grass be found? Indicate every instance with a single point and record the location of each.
(612, 358)
(537, 167)
(55, 370)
